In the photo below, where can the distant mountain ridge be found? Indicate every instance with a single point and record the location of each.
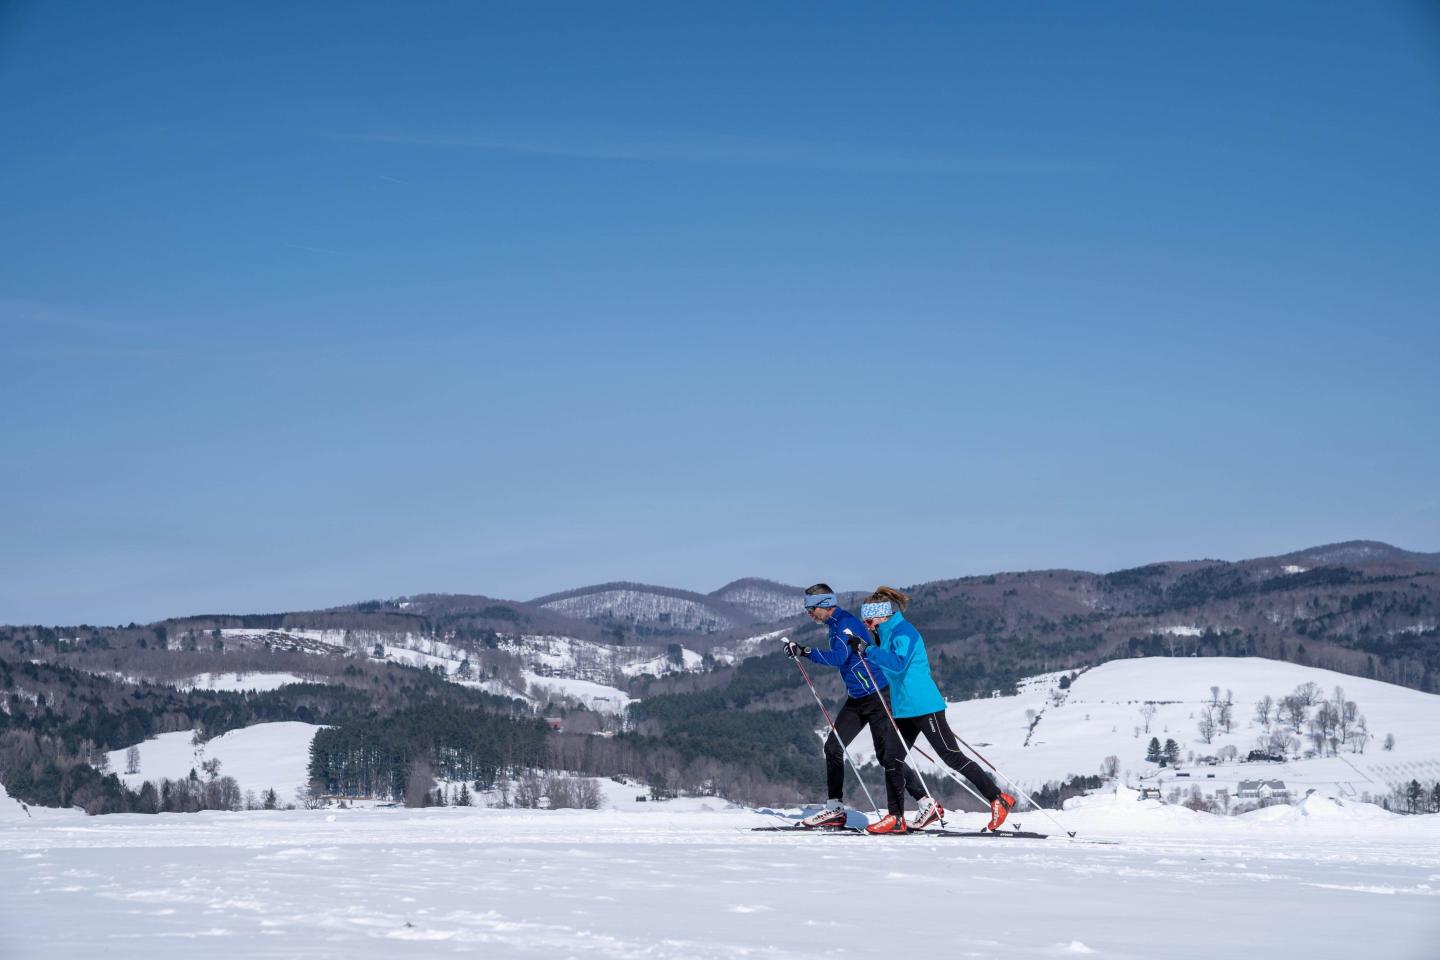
(1358, 606)
(653, 609)
(646, 608)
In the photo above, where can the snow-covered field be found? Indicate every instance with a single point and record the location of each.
(259, 682)
(260, 757)
(599, 697)
(690, 879)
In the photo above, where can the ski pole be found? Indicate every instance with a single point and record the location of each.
(896, 727)
(916, 748)
(836, 734)
(1023, 795)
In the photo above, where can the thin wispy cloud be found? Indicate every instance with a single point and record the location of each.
(716, 149)
(323, 250)
(37, 313)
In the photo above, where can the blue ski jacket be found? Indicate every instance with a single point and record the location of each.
(900, 655)
(839, 654)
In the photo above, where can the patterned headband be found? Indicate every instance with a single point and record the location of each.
(876, 611)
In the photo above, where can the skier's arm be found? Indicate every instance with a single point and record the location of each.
(893, 661)
(834, 654)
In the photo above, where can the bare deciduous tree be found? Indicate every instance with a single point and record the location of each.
(1292, 711)
(1359, 735)
(419, 783)
(1308, 693)
(1207, 724)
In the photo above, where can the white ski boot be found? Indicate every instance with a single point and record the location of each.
(928, 812)
(831, 815)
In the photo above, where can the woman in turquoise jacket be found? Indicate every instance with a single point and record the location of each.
(918, 707)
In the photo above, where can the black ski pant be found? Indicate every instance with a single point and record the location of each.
(938, 732)
(889, 753)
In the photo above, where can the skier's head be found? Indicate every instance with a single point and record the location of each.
(820, 602)
(882, 605)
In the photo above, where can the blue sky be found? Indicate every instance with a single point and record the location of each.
(308, 304)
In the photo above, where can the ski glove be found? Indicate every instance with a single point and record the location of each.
(793, 649)
(857, 644)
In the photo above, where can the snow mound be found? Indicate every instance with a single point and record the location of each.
(1320, 808)
(1120, 809)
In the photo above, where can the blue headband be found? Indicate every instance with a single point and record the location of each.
(813, 600)
(876, 611)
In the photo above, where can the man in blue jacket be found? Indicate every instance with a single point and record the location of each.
(863, 705)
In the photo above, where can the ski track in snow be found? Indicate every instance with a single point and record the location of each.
(688, 881)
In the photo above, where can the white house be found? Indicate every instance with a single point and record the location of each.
(1263, 790)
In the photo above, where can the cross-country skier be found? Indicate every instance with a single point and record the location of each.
(915, 701)
(862, 706)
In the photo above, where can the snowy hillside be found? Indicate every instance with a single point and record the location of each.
(595, 696)
(259, 682)
(766, 600)
(260, 757)
(1074, 730)
(637, 604)
(13, 811)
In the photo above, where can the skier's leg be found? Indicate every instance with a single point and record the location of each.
(888, 750)
(847, 723)
(938, 732)
(909, 730)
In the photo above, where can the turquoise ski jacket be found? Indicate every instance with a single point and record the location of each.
(900, 653)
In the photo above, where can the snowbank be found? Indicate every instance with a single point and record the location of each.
(1121, 811)
(1318, 808)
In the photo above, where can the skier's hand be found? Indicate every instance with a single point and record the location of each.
(793, 649)
(858, 645)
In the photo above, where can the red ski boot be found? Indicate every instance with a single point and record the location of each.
(890, 824)
(1000, 808)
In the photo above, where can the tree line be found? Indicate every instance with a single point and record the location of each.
(380, 756)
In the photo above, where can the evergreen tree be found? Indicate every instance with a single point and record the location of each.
(1172, 752)
(464, 799)
(271, 801)
(439, 796)
(1152, 752)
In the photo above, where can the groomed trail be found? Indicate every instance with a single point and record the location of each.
(690, 879)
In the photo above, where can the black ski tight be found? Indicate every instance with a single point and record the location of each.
(938, 732)
(852, 718)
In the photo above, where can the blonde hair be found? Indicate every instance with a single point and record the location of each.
(882, 594)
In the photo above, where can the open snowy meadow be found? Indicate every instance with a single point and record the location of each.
(691, 878)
